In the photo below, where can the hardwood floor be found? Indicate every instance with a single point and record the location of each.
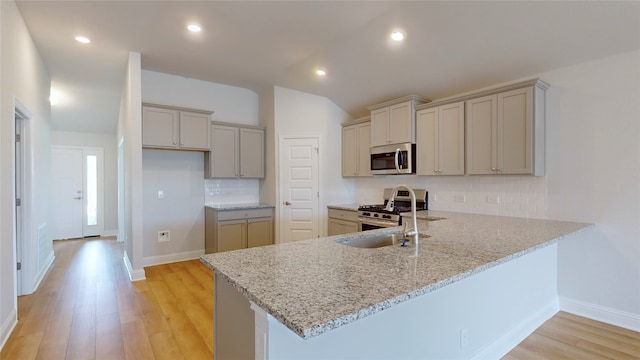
(567, 336)
(86, 308)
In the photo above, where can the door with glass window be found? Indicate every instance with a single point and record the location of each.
(77, 192)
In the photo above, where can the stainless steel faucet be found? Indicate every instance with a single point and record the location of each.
(406, 232)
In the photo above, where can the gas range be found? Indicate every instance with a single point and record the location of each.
(375, 216)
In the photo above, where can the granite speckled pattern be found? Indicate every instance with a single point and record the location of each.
(346, 207)
(239, 206)
(313, 286)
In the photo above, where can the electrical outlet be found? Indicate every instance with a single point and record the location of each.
(459, 198)
(160, 194)
(164, 236)
(493, 199)
(464, 338)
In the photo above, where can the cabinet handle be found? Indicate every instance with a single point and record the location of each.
(287, 203)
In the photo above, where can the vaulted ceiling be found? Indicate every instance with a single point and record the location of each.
(450, 46)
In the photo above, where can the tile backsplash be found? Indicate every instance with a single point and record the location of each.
(518, 196)
(231, 191)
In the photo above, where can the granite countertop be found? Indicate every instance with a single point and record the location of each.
(347, 207)
(239, 206)
(313, 286)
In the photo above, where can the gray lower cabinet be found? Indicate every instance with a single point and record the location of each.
(342, 222)
(227, 230)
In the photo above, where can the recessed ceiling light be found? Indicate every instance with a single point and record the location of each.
(194, 28)
(397, 36)
(82, 39)
(321, 72)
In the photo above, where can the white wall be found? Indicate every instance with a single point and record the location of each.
(130, 130)
(299, 113)
(593, 167)
(109, 143)
(181, 174)
(24, 77)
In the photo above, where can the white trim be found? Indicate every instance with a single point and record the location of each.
(134, 275)
(601, 313)
(45, 268)
(7, 327)
(170, 258)
(510, 340)
(107, 233)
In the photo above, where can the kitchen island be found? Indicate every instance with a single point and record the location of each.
(478, 284)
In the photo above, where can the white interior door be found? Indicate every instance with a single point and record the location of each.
(299, 190)
(78, 192)
(67, 193)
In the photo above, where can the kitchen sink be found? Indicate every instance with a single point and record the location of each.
(377, 241)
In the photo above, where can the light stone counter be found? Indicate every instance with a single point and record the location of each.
(317, 285)
(239, 206)
(347, 207)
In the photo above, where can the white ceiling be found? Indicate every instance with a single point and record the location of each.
(450, 47)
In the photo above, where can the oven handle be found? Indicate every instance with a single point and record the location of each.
(397, 163)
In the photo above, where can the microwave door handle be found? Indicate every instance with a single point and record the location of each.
(397, 163)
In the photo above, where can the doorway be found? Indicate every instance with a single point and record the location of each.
(78, 192)
(299, 188)
(21, 190)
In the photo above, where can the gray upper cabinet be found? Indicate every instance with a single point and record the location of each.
(505, 132)
(236, 152)
(440, 140)
(168, 127)
(393, 122)
(356, 137)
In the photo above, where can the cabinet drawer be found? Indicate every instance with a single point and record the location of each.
(343, 214)
(244, 214)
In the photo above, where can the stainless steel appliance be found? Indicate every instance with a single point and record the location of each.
(376, 217)
(393, 159)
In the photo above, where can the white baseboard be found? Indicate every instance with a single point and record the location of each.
(106, 233)
(170, 258)
(44, 270)
(510, 340)
(7, 327)
(601, 313)
(134, 275)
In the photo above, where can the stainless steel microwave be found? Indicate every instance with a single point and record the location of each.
(393, 159)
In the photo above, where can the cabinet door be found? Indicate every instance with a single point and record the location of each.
(350, 150)
(481, 126)
(259, 232)
(231, 235)
(450, 152)
(251, 153)
(380, 127)
(364, 145)
(195, 129)
(427, 142)
(401, 123)
(159, 127)
(224, 152)
(350, 227)
(335, 227)
(515, 132)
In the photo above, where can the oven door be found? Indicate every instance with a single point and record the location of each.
(367, 224)
(393, 159)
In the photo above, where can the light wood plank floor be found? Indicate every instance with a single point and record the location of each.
(86, 308)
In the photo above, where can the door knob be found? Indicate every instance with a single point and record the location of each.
(287, 203)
